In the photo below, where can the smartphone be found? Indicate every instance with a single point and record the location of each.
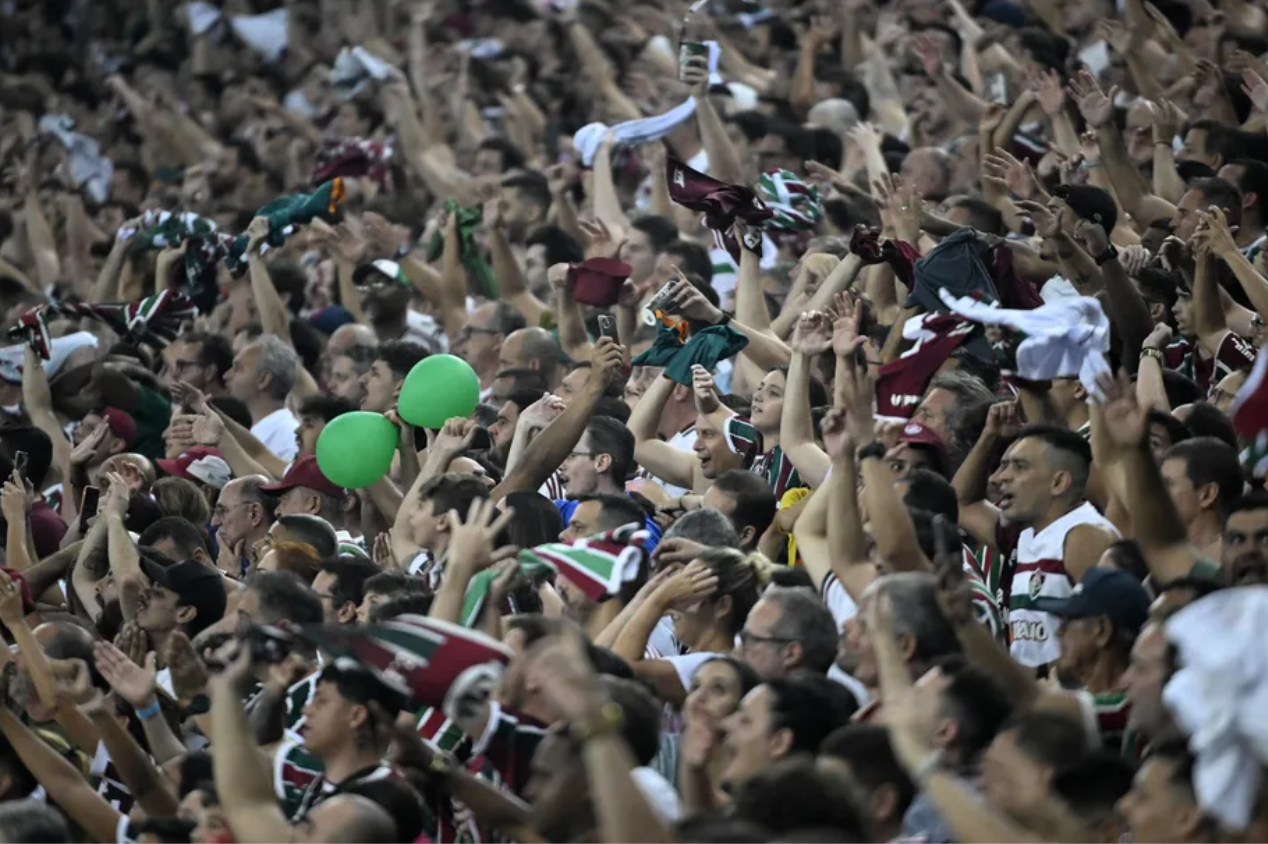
(663, 298)
(19, 463)
(88, 504)
(997, 88)
(607, 326)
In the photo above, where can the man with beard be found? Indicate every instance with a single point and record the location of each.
(386, 293)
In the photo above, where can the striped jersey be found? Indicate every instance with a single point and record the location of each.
(1234, 353)
(1105, 718)
(1038, 571)
(745, 440)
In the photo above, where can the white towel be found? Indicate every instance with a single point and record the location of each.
(89, 169)
(266, 33)
(1063, 338)
(354, 69)
(11, 357)
(645, 129)
(1219, 697)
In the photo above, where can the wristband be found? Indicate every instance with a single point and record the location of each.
(1156, 354)
(726, 318)
(150, 711)
(1108, 255)
(876, 449)
(610, 720)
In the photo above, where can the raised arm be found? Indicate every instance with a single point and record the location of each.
(811, 337)
(652, 453)
(977, 515)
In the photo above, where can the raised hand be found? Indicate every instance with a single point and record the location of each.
(930, 58)
(12, 607)
(14, 500)
(1003, 419)
(1125, 422)
(191, 397)
(691, 303)
(838, 439)
(1096, 107)
(1048, 91)
(471, 540)
(1048, 221)
(606, 362)
(703, 389)
(1095, 240)
(1005, 171)
(812, 334)
(847, 334)
(83, 454)
(72, 681)
(955, 596)
(189, 673)
(132, 682)
(456, 435)
(1254, 86)
(1167, 121)
(686, 587)
(1134, 258)
(542, 412)
(602, 241)
(1159, 338)
(257, 232)
(699, 742)
(117, 495)
(1213, 234)
(132, 642)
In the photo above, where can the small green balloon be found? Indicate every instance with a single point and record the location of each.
(356, 449)
(438, 388)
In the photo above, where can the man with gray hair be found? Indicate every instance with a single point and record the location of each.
(263, 374)
(31, 820)
(788, 630)
(693, 533)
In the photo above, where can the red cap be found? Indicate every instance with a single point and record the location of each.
(200, 463)
(304, 472)
(122, 425)
(922, 436)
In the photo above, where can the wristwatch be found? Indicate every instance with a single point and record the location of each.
(1108, 255)
(611, 719)
(1156, 354)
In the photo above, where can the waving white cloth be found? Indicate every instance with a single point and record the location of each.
(640, 131)
(89, 169)
(1063, 338)
(1219, 697)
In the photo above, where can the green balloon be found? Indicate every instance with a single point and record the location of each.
(439, 387)
(355, 450)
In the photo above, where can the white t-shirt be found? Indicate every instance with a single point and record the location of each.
(277, 432)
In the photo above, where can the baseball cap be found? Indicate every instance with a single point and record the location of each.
(197, 585)
(200, 463)
(391, 269)
(923, 437)
(121, 423)
(305, 472)
(1089, 202)
(1103, 591)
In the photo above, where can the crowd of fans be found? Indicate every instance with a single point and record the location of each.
(869, 444)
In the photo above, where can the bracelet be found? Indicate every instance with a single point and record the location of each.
(1089, 165)
(927, 767)
(876, 449)
(726, 318)
(610, 720)
(1156, 354)
(150, 711)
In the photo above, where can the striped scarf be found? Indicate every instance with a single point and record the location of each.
(797, 205)
(597, 565)
(155, 320)
(353, 157)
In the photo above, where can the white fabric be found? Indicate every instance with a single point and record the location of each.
(661, 796)
(644, 129)
(201, 17)
(11, 357)
(1219, 697)
(861, 696)
(426, 332)
(838, 601)
(354, 68)
(266, 34)
(89, 169)
(687, 664)
(277, 432)
(211, 470)
(1069, 337)
(662, 641)
(1057, 288)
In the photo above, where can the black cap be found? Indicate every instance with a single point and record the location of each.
(1104, 592)
(196, 585)
(1089, 202)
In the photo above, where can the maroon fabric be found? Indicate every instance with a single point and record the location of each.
(1015, 293)
(28, 602)
(721, 204)
(47, 529)
(900, 255)
(901, 383)
(305, 472)
(598, 281)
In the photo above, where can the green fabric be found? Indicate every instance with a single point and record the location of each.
(1206, 569)
(706, 348)
(153, 414)
(287, 212)
(469, 221)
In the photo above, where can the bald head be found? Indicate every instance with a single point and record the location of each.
(532, 348)
(351, 818)
(349, 335)
(835, 114)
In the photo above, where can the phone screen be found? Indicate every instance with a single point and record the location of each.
(607, 326)
(88, 507)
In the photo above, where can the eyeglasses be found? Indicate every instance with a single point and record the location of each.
(747, 639)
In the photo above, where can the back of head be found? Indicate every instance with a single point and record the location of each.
(914, 598)
(351, 572)
(182, 497)
(412, 603)
(536, 520)
(974, 700)
(33, 822)
(401, 802)
(311, 530)
(359, 821)
(754, 499)
(1093, 786)
(866, 749)
(708, 527)
(933, 493)
(401, 356)
(616, 511)
(1050, 738)
(792, 794)
(38, 448)
(452, 491)
(283, 596)
(804, 619)
(1207, 420)
(641, 728)
(741, 579)
(611, 437)
(187, 537)
(809, 706)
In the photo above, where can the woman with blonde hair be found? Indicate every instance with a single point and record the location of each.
(708, 601)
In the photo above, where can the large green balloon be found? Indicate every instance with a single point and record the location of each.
(438, 388)
(356, 449)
